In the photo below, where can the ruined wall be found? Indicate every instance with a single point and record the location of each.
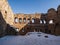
(47, 23)
(6, 16)
(57, 32)
(25, 25)
(52, 16)
(6, 12)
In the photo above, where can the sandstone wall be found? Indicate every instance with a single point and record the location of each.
(6, 16)
(52, 27)
(6, 12)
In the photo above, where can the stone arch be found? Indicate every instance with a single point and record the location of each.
(28, 20)
(41, 21)
(20, 20)
(24, 20)
(16, 20)
(33, 20)
(51, 21)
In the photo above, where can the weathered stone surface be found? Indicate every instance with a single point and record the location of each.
(3, 25)
(6, 12)
(6, 16)
(23, 22)
(44, 26)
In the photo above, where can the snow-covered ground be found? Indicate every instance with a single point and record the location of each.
(31, 38)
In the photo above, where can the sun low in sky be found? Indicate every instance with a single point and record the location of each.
(33, 6)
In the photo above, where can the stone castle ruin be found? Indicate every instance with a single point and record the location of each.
(6, 16)
(22, 23)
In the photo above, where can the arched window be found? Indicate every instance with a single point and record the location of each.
(24, 19)
(23, 30)
(51, 22)
(16, 20)
(28, 20)
(32, 20)
(44, 21)
(20, 20)
(41, 21)
(17, 29)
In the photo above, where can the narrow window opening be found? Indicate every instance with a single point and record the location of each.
(41, 21)
(51, 22)
(16, 20)
(24, 20)
(28, 20)
(17, 29)
(20, 20)
(44, 21)
(32, 20)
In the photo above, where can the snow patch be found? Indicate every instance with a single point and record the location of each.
(31, 38)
